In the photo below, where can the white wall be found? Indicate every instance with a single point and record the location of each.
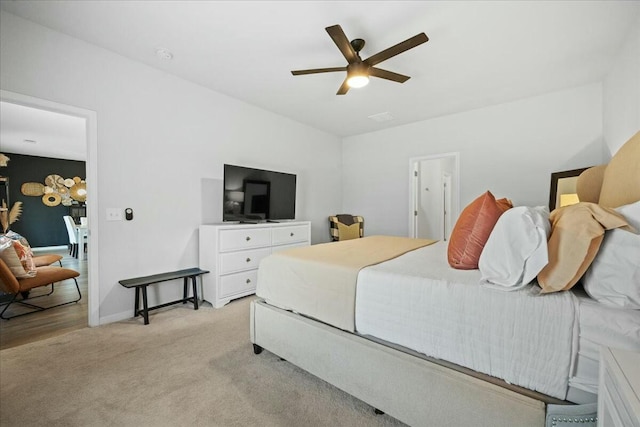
(509, 149)
(621, 94)
(162, 141)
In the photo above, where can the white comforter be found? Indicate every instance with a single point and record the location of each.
(419, 302)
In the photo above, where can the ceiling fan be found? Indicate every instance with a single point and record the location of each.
(359, 71)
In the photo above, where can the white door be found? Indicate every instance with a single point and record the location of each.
(447, 210)
(434, 196)
(429, 202)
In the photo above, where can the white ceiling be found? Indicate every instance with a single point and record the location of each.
(480, 52)
(25, 130)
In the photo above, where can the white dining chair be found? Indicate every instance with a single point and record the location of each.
(73, 239)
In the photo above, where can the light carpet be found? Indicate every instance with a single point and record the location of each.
(186, 367)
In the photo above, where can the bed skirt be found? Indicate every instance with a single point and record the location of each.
(408, 388)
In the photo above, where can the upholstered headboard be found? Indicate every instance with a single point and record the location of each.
(616, 183)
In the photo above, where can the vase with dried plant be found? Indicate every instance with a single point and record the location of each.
(9, 216)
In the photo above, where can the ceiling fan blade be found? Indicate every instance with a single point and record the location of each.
(388, 75)
(397, 49)
(344, 88)
(341, 40)
(318, 70)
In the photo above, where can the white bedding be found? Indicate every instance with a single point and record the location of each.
(319, 281)
(601, 325)
(419, 302)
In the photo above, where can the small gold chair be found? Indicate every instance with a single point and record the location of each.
(346, 227)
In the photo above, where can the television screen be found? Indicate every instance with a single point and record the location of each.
(252, 195)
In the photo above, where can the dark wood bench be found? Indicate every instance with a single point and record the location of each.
(141, 283)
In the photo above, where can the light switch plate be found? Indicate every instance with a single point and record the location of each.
(114, 214)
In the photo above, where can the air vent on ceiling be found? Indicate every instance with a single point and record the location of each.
(381, 117)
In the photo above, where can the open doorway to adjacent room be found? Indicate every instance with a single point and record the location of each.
(434, 195)
(44, 131)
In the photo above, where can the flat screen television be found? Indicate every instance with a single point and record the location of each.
(254, 195)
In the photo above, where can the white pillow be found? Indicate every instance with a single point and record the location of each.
(631, 213)
(614, 275)
(516, 250)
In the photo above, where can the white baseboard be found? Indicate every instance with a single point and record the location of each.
(116, 317)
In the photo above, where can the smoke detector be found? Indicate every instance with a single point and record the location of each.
(163, 53)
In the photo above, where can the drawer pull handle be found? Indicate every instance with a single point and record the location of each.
(291, 234)
(248, 238)
(248, 280)
(248, 259)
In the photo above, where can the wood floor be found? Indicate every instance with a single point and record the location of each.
(56, 321)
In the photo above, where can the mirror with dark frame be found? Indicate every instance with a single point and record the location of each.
(563, 188)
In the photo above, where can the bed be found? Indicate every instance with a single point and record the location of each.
(429, 345)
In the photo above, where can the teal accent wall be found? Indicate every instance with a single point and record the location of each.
(42, 225)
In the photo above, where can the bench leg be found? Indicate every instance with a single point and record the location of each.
(145, 307)
(195, 291)
(185, 290)
(137, 302)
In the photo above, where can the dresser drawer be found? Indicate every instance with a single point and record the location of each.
(237, 283)
(231, 240)
(244, 260)
(293, 234)
(291, 246)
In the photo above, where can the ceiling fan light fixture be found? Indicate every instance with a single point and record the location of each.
(357, 75)
(358, 70)
(358, 81)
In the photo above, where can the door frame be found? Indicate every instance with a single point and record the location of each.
(413, 187)
(91, 121)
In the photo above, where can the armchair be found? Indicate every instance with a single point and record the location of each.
(39, 260)
(346, 227)
(47, 259)
(46, 275)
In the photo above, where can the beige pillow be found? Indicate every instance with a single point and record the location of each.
(576, 233)
(589, 184)
(348, 232)
(18, 259)
(621, 181)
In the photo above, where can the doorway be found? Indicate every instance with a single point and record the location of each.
(434, 195)
(90, 117)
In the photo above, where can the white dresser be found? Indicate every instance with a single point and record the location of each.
(232, 253)
(619, 388)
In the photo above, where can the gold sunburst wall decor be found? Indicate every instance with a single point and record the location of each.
(57, 190)
(79, 191)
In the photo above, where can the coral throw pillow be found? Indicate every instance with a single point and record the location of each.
(473, 229)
